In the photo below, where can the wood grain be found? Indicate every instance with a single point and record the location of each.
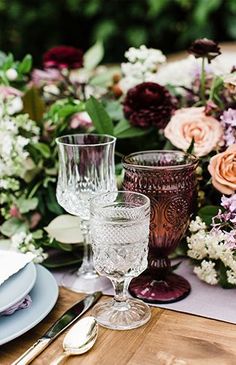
(170, 338)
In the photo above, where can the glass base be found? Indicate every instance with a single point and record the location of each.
(122, 315)
(171, 289)
(88, 282)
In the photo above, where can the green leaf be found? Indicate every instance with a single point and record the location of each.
(33, 104)
(26, 205)
(51, 201)
(26, 64)
(191, 146)
(207, 213)
(43, 149)
(93, 56)
(8, 62)
(38, 234)
(124, 130)
(99, 116)
(12, 226)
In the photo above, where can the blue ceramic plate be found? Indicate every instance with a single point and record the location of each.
(44, 296)
(17, 286)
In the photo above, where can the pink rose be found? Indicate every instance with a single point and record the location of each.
(81, 120)
(222, 168)
(189, 123)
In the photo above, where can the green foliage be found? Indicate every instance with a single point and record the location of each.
(207, 213)
(36, 26)
(99, 116)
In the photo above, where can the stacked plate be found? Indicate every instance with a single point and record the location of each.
(42, 288)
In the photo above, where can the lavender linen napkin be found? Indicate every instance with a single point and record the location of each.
(22, 304)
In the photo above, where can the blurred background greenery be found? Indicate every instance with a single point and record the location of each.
(33, 26)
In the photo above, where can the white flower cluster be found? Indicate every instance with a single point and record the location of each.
(210, 247)
(11, 105)
(12, 147)
(25, 243)
(142, 63)
(184, 71)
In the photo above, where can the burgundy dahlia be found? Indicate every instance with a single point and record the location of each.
(63, 57)
(205, 48)
(148, 104)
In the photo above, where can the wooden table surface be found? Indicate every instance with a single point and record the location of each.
(169, 338)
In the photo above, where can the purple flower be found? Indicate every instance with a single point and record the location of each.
(228, 120)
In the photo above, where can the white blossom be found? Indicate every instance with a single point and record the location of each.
(197, 225)
(231, 276)
(206, 272)
(142, 63)
(11, 74)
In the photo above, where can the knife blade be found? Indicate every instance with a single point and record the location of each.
(69, 317)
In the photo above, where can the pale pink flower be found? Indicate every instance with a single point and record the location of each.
(81, 120)
(42, 77)
(8, 91)
(192, 123)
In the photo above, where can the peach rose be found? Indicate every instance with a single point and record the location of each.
(189, 123)
(222, 168)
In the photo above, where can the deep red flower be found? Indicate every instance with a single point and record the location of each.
(205, 48)
(63, 57)
(148, 104)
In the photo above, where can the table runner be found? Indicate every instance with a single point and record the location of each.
(204, 300)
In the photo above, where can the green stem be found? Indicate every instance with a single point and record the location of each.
(203, 82)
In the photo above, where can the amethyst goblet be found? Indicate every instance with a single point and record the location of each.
(168, 178)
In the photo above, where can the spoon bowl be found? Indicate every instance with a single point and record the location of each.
(80, 338)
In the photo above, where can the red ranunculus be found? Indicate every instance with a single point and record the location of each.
(148, 104)
(63, 57)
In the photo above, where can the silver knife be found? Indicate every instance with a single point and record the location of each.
(69, 317)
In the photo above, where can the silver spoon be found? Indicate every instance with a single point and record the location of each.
(79, 339)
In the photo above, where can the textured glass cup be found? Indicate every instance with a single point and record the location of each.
(168, 178)
(86, 167)
(119, 233)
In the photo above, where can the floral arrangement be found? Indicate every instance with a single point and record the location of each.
(147, 103)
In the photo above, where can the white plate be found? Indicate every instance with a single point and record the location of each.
(44, 296)
(17, 286)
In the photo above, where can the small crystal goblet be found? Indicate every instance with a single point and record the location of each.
(119, 233)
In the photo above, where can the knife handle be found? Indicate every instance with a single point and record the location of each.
(32, 352)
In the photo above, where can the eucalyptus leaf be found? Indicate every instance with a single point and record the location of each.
(12, 226)
(25, 205)
(93, 56)
(99, 116)
(104, 79)
(65, 229)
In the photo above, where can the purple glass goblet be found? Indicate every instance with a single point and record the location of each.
(168, 178)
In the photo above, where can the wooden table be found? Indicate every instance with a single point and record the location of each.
(170, 338)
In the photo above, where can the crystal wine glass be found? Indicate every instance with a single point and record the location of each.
(168, 178)
(86, 167)
(119, 233)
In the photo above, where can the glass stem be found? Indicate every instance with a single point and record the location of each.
(121, 289)
(87, 264)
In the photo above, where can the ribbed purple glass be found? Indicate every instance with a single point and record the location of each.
(168, 178)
